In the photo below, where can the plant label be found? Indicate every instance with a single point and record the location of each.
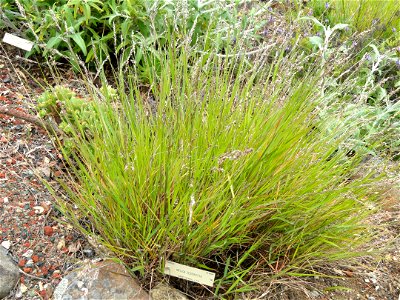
(18, 42)
(188, 273)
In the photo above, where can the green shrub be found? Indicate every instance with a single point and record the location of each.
(123, 30)
(70, 113)
(221, 172)
(366, 85)
(380, 17)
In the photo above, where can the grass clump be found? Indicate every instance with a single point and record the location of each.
(381, 17)
(220, 166)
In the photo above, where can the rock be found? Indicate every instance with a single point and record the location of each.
(6, 244)
(7, 80)
(9, 274)
(103, 280)
(88, 252)
(165, 292)
(48, 230)
(28, 253)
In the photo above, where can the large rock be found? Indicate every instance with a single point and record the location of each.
(9, 273)
(165, 292)
(104, 280)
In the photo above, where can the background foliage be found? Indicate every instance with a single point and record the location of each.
(123, 30)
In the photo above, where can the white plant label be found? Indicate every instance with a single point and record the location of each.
(18, 42)
(192, 274)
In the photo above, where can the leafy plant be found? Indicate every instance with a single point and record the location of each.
(322, 43)
(125, 30)
(378, 16)
(69, 112)
(369, 99)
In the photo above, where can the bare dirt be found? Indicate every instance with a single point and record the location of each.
(39, 242)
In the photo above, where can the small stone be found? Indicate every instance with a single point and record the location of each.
(48, 230)
(21, 263)
(61, 244)
(45, 171)
(38, 210)
(6, 244)
(28, 253)
(9, 274)
(163, 291)
(18, 294)
(43, 293)
(88, 252)
(80, 284)
(29, 263)
(45, 206)
(23, 288)
(44, 270)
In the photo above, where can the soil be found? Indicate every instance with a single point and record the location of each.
(42, 245)
(45, 247)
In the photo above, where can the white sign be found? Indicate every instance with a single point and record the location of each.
(18, 42)
(192, 274)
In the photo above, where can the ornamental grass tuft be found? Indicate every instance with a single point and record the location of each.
(221, 166)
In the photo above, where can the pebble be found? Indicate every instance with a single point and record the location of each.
(48, 230)
(6, 244)
(38, 209)
(18, 294)
(29, 263)
(21, 263)
(88, 252)
(28, 253)
(23, 288)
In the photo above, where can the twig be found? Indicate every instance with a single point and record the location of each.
(52, 128)
(32, 276)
